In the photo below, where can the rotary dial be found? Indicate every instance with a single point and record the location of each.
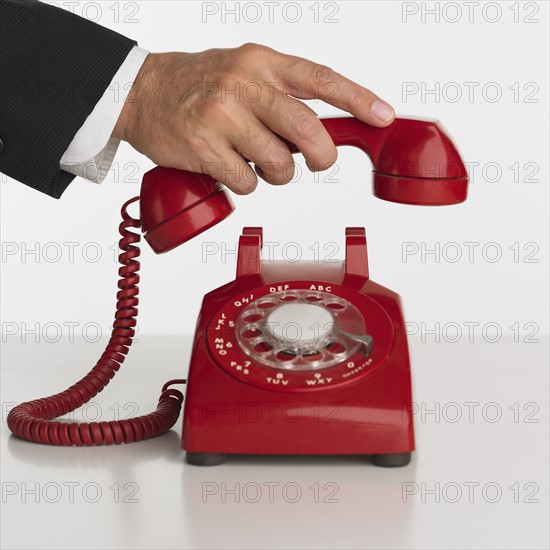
(300, 330)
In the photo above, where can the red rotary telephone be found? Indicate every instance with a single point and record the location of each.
(300, 360)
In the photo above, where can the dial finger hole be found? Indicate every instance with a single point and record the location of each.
(312, 356)
(250, 332)
(285, 355)
(289, 297)
(313, 297)
(336, 347)
(262, 347)
(252, 317)
(268, 304)
(336, 306)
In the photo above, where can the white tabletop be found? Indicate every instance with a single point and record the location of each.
(475, 482)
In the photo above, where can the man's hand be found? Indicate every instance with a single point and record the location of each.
(216, 111)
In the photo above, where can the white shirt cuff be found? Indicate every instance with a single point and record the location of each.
(92, 150)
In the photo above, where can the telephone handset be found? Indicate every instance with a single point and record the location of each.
(414, 162)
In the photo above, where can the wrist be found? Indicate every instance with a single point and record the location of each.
(119, 131)
(129, 114)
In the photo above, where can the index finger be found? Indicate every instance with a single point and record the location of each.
(305, 79)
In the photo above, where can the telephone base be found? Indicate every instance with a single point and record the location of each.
(253, 391)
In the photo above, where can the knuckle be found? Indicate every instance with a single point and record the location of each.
(321, 75)
(306, 126)
(280, 159)
(357, 99)
(251, 49)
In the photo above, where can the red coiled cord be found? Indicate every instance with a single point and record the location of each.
(32, 420)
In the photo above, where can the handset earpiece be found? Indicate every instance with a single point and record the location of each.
(414, 160)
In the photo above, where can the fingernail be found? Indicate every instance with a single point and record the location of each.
(382, 111)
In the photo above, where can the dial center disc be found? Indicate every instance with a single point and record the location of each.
(301, 325)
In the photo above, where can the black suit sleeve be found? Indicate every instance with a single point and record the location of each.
(54, 68)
